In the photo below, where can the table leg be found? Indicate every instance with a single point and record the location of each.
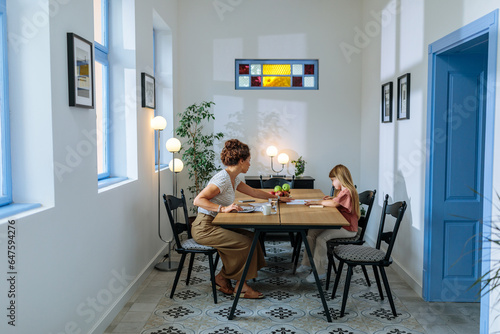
(318, 282)
(244, 274)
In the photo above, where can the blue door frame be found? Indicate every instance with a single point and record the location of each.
(487, 24)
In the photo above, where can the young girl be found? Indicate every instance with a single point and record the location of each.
(346, 200)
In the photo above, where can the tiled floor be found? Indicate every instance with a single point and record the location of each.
(291, 306)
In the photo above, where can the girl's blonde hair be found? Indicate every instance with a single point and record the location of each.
(344, 176)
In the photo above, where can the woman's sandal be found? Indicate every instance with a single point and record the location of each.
(224, 289)
(252, 294)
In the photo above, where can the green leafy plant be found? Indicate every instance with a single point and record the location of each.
(300, 166)
(197, 150)
(491, 279)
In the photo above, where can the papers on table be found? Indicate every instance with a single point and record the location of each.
(301, 201)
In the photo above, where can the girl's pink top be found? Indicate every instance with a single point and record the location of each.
(346, 209)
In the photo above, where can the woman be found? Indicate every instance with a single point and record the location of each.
(233, 245)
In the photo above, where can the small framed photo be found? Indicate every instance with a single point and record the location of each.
(80, 72)
(148, 91)
(404, 96)
(387, 102)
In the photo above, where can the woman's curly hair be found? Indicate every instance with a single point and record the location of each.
(233, 151)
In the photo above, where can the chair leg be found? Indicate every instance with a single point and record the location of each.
(366, 275)
(190, 268)
(216, 261)
(296, 247)
(388, 291)
(178, 274)
(337, 279)
(329, 270)
(292, 239)
(212, 275)
(377, 279)
(346, 290)
(262, 239)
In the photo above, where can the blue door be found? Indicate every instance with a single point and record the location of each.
(457, 171)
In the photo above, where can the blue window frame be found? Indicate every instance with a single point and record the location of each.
(276, 74)
(6, 177)
(101, 52)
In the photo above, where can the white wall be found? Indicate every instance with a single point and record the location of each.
(80, 256)
(393, 155)
(322, 126)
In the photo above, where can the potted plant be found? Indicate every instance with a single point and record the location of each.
(300, 166)
(197, 150)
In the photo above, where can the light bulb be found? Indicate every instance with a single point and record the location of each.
(179, 165)
(272, 151)
(158, 123)
(173, 145)
(283, 158)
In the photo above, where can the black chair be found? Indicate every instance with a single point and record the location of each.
(365, 198)
(354, 255)
(188, 246)
(276, 181)
(270, 184)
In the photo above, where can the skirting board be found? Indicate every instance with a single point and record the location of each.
(400, 271)
(108, 317)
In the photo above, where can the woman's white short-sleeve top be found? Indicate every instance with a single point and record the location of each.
(227, 193)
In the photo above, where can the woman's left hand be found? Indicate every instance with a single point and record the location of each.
(286, 199)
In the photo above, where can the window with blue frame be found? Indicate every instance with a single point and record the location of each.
(102, 86)
(5, 167)
(276, 74)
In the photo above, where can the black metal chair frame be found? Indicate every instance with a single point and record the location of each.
(396, 210)
(367, 198)
(173, 203)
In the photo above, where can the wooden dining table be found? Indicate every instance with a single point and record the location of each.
(286, 218)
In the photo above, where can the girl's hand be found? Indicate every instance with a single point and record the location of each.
(231, 208)
(312, 202)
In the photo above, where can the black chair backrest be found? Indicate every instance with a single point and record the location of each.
(397, 210)
(367, 198)
(173, 203)
(276, 181)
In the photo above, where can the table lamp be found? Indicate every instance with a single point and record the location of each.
(283, 159)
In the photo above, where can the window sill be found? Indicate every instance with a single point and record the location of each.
(107, 182)
(15, 208)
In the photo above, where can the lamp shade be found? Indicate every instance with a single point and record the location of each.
(158, 123)
(272, 151)
(283, 158)
(179, 165)
(173, 145)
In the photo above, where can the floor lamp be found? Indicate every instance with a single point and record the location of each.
(158, 124)
(173, 145)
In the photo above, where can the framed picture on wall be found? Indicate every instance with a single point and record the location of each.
(386, 106)
(148, 91)
(80, 71)
(404, 96)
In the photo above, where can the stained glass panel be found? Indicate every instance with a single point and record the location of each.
(244, 81)
(256, 81)
(308, 81)
(276, 74)
(308, 69)
(276, 69)
(244, 69)
(276, 82)
(256, 69)
(297, 81)
(297, 69)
